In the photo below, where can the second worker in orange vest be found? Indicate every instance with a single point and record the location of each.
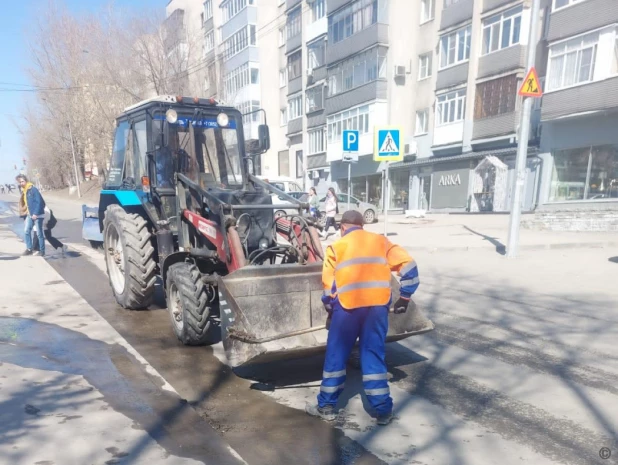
(357, 295)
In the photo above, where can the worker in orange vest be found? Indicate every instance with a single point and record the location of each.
(357, 295)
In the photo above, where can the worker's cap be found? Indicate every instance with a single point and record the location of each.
(352, 217)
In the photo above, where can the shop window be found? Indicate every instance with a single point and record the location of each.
(399, 190)
(589, 173)
(495, 97)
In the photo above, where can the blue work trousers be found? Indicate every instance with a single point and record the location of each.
(370, 325)
(39, 231)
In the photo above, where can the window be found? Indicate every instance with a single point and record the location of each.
(495, 97)
(283, 77)
(315, 98)
(315, 54)
(239, 78)
(209, 42)
(589, 173)
(207, 9)
(295, 65)
(318, 10)
(572, 61)
(284, 163)
(352, 19)
(355, 119)
(563, 3)
(233, 7)
(239, 41)
(281, 36)
(424, 66)
(427, 10)
(422, 122)
(317, 141)
(450, 107)
(501, 31)
(283, 116)
(293, 24)
(295, 107)
(357, 71)
(455, 47)
(300, 169)
(248, 107)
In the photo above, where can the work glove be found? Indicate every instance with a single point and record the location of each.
(401, 306)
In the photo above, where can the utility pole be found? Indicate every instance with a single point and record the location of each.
(79, 192)
(522, 143)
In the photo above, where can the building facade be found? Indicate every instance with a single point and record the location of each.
(445, 71)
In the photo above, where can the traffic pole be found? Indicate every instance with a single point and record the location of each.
(522, 143)
(386, 198)
(349, 182)
(79, 192)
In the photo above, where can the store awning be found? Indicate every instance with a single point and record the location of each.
(511, 151)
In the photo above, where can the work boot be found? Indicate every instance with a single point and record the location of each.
(27, 252)
(384, 418)
(325, 413)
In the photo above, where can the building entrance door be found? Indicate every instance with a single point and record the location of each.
(424, 192)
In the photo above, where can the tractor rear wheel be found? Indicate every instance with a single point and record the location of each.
(188, 301)
(129, 257)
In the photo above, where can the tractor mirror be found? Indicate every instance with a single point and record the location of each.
(264, 137)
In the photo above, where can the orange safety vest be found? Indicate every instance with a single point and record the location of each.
(357, 269)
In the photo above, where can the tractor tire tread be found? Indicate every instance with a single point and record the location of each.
(140, 269)
(198, 326)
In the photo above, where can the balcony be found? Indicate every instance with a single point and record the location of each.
(245, 17)
(334, 5)
(316, 161)
(582, 17)
(295, 85)
(489, 5)
(456, 13)
(316, 119)
(316, 29)
(448, 134)
(495, 126)
(294, 43)
(289, 4)
(452, 76)
(595, 96)
(317, 74)
(209, 24)
(501, 61)
(295, 125)
(375, 34)
(365, 93)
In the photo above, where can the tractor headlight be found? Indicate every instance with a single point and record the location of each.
(171, 116)
(264, 243)
(223, 120)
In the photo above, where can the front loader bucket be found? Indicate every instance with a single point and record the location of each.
(271, 313)
(90, 224)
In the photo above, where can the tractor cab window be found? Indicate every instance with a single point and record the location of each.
(218, 157)
(115, 175)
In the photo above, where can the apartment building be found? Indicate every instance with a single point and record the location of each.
(579, 142)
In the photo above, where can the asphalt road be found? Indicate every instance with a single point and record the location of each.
(522, 368)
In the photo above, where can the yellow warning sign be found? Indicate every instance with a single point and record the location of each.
(531, 86)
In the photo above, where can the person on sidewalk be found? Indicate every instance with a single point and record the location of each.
(314, 203)
(35, 211)
(332, 208)
(357, 295)
(49, 222)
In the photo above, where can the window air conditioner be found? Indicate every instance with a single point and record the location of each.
(400, 71)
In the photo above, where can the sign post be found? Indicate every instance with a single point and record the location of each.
(387, 147)
(530, 88)
(350, 155)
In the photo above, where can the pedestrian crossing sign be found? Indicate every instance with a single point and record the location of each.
(387, 144)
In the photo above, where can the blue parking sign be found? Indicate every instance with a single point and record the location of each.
(350, 141)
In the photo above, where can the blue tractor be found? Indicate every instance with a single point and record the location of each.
(181, 204)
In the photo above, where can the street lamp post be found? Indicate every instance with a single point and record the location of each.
(79, 192)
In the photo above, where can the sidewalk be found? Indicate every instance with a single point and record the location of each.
(444, 233)
(72, 390)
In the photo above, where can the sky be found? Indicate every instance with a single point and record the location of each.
(14, 61)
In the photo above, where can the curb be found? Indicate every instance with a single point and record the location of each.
(531, 247)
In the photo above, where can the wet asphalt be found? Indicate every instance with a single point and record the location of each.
(261, 430)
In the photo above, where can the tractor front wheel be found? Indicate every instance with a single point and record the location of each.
(188, 301)
(129, 257)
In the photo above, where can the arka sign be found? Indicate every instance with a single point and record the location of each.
(450, 180)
